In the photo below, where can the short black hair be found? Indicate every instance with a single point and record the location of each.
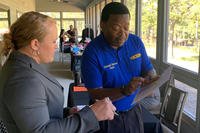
(113, 8)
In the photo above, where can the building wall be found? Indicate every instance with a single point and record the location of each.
(47, 5)
(18, 6)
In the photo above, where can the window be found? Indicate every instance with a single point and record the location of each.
(191, 101)
(73, 15)
(131, 6)
(56, 16)
(4, 23)
(80, 26)
(183, 34)
(67, 23)
(74, 18)
(149, 26)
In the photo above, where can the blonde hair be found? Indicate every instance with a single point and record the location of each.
(31, 25)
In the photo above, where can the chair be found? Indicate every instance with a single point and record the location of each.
(78, 96)
(172, 108)
(153, 103)
(2, 127)
(163, 88)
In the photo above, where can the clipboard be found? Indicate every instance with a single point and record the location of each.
(148, 89)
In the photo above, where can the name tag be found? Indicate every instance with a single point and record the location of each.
(111, 66)
(133, 57)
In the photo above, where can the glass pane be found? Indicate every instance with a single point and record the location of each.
(149, 26)
(52, 14)
(3, 24)
(3, 14)
(73, 15)
(67, 23)
(131, 6)
(80, 26)
(184, 31)
(3, 28)
(191, 101)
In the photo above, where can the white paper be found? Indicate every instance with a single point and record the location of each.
(149, 89)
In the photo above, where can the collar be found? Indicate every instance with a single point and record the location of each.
(107, 46)
(32, 64)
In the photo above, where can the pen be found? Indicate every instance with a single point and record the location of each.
(116, 113)
(111, 101)
(107, 98)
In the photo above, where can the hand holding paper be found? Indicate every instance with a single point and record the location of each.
(132, 86)
(148, 89)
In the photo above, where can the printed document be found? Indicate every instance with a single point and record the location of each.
(149, 89)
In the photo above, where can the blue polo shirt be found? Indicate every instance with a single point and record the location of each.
(105, 67)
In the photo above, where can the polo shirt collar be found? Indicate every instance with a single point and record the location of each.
(106, 45)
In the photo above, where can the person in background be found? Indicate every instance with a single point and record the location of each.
(76, 35)
(87, 34)
(71, 34)
(61, 39)
(31, 100)
(115, 64)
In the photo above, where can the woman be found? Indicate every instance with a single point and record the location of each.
(61, 39)
(31, 100)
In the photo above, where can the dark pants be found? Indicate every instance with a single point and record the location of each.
(127, 122)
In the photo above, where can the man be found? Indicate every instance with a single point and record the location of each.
(71, 34)
(115, 65)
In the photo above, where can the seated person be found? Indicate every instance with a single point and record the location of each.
(87, 33)
(115, 64)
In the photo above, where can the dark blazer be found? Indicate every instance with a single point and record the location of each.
(31, 100)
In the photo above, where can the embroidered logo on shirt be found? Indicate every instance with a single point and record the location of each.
(111, 66)
(133, 57)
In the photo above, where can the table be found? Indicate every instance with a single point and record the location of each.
(151, 123)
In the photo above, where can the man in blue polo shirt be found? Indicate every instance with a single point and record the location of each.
(115, 65)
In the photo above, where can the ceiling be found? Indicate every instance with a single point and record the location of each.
(78, 3)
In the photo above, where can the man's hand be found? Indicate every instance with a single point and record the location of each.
(132, 86)
(149, 79)
(103, 109)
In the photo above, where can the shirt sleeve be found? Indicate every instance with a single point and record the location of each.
(90, 70)
(27, 103)
(146, 63)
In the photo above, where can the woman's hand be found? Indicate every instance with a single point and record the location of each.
(103, 109)
(73, 110)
